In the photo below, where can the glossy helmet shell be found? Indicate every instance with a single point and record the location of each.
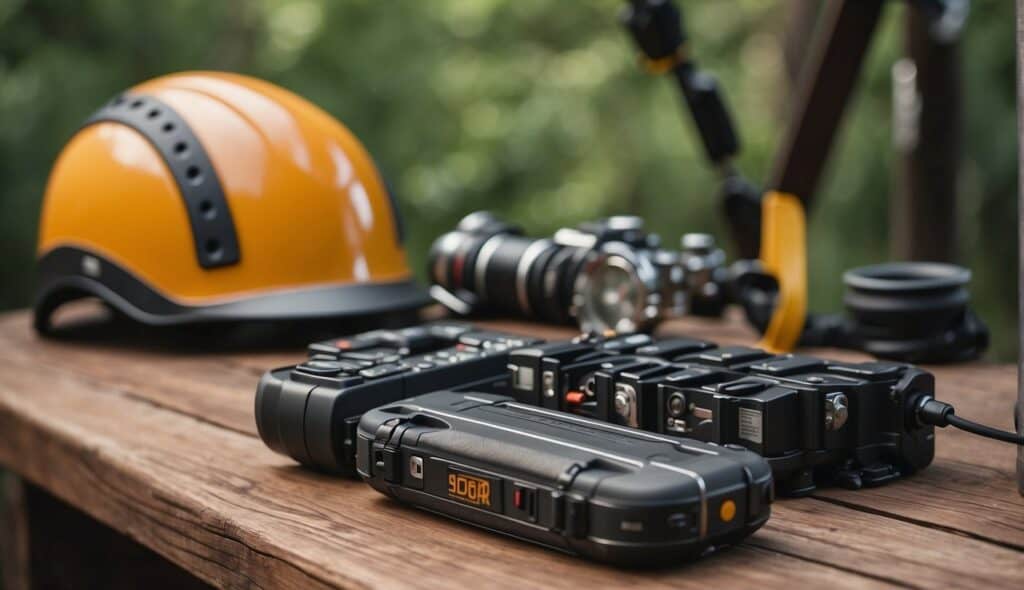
(203, 196)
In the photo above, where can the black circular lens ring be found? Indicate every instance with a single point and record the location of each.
(546, 308)
(501, 274)
(533, 254)
(483, 260)
(554, 286)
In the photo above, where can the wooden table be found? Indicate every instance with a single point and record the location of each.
(158, 442)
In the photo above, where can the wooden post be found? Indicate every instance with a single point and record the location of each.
(14, 539)
(45, 543)
(928, 126)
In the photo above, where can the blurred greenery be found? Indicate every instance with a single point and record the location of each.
(533, 108)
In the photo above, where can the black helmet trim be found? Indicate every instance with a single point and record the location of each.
(213, 228)
(67, 273)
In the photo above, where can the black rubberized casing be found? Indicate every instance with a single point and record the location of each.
(312, 417)
(570, 483)
(774, 405)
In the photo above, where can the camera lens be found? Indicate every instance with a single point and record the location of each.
(618, 290)
(505, 271)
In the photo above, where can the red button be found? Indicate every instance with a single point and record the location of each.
(343, 344)
(517, 499)
(574, 398)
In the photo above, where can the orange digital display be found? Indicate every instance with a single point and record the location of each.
(470, 489)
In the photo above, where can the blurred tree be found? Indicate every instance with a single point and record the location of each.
(533, 108)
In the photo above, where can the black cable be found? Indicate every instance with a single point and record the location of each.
(986, 431)
(931, 411)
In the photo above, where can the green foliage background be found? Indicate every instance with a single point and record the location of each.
(533, 108)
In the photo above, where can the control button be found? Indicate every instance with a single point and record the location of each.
(359, 343)
(449, 330)
(727, 511)
(416, 467)
(382, 371)
(323, 348)
(575, 398)
(325, 368)
(424, 365)
(478, 339)
(373, 355)
(524, 502)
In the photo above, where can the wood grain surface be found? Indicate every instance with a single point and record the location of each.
(155, 438)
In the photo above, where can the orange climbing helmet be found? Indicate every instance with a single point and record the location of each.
(201, 197)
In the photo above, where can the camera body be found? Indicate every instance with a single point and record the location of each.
(813, 420)
(605, 274)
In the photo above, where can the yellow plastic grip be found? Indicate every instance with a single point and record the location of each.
(784, 256)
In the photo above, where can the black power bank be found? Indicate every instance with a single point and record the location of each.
(567, 482)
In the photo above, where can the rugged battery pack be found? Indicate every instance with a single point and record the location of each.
(310, 411)
(567, 482)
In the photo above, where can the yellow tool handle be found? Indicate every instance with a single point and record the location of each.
(784, 256)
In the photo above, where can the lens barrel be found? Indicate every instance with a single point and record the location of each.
(506, 272)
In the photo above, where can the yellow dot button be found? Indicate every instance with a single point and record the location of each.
(728, 511)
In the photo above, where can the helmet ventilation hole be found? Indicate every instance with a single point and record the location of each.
(181, 149)
(137, 103)
(208, 210)
(167, 128)
(213, 249)
(153, 113)
(192, 173)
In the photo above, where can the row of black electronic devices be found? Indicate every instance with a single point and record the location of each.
(529, 422)
(813, 420)
(363, 405)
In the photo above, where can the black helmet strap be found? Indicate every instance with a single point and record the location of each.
(213, 229)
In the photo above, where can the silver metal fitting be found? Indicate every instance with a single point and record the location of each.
(837, 411)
